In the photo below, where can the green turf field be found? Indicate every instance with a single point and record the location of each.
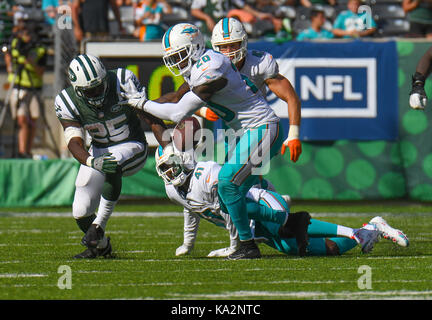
(34, 247)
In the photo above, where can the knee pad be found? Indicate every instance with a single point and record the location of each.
(82, 209)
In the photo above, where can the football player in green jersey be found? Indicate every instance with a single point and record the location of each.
(118, 145)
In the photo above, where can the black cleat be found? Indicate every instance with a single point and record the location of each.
(296, 227)
(87, 254)
(92, 253)
(92, 237)
(247, 250)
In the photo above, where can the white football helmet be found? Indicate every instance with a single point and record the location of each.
(230, 30)
(88, 77)
(170, 166)
(183, 44)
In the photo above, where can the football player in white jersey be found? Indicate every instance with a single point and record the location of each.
(230, 38)
(194, 186)
(118, 145)
(199, 194)
(212, 80)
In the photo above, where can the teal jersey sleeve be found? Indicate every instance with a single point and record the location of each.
(340, 21)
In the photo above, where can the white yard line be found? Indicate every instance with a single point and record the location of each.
(22, 275)
(401, 294)
(180, 214)
(69, 215)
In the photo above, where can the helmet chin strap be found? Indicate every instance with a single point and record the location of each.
(102, 98)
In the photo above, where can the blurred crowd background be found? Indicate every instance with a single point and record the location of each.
(280, 20)
(56, 30)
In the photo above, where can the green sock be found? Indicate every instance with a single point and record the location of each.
(112, 186)
(85, 222)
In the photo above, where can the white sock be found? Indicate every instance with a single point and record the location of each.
(106, 208)
(345, 232)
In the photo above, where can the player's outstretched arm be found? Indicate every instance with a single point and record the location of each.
(283, 89)
(174, 96)
(189, 103)
(190, 231)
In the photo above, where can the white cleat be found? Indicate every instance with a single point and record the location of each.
(390, 233)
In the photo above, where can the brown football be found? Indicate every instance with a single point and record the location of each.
(184, 134)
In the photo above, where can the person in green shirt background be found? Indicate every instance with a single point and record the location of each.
(316, 30)
(419, 14)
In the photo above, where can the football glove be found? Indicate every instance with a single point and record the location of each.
(418, 98)
(293, 143)
(225, 252)
(183, 250)
(105, 163)
(207, 114)
(135, 99)
(295, 148)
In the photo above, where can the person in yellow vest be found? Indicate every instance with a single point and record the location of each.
(25, 63)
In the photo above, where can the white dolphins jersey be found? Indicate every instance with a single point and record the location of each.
(239, 103)
(258, 67)
(201, 201)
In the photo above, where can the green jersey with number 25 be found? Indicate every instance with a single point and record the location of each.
(110, 124)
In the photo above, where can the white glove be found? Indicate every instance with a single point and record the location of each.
(105, 163)
(224, 252)
(418, 97)
(135, 100)
(183, 250)
(417, 101)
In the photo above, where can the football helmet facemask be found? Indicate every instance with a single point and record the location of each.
(183, 44)
(170, 166)
(227, 31)
(88, 77)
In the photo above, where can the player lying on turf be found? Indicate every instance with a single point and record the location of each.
(194, 186)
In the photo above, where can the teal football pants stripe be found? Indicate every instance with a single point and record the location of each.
(237, 175)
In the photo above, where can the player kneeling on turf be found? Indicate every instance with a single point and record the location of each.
(118, 145)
